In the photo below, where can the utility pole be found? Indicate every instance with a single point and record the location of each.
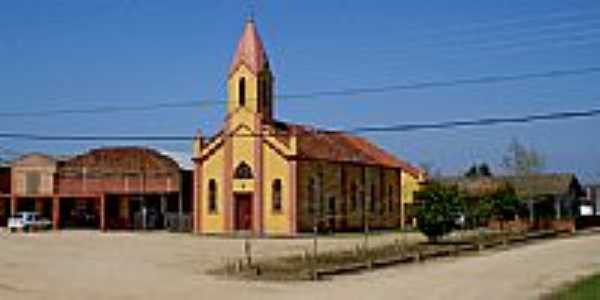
(142, 195)
(366, 217)
(316, 212)
(248, 250)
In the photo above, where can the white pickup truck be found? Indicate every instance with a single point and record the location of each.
(28, 221)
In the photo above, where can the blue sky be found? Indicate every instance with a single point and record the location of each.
(80, 54)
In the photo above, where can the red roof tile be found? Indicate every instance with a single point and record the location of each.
(337, 146)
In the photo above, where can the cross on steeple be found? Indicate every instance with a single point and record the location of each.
(251, 11)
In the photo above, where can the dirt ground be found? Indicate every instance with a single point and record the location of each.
(92, 265)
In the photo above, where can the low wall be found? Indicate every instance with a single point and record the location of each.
(588, 221)
(513, 225)
(541, 224)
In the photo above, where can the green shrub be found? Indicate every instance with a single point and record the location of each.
(438, 211)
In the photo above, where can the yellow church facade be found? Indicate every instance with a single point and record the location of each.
(268, 177)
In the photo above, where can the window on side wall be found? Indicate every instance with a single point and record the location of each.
(212, 196)
(354, 195)
(276, 195)
(372, 199)
(391, 199)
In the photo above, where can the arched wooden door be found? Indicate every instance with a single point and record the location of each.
(243, 212)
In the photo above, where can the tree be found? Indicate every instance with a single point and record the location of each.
(521, 161)
(430, 170)
(439, 210)
(482, 170)
(503, 204)
(485, 171)
(472, 172)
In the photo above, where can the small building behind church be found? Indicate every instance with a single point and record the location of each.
(269, 177)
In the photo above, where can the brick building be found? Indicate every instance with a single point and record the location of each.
(33, 184)
(106, 188)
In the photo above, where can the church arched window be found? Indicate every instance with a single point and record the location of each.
(276, 195)
(212, 196)
(243, 171)
(354, 197)
(242, 92)
(390, 198)
(372, 199)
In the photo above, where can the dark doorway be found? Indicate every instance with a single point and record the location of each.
(25, 205)
(114, 219)
(148, 212)
(79, 213)
(4, 211)
(243, 212)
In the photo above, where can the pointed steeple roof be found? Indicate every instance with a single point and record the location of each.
(250, 51)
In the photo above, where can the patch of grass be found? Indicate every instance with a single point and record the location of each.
(305, 266)
(587, 288)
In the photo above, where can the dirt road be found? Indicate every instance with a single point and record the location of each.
(90, 265)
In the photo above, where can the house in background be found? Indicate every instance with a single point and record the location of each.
(557, 195)
(266, 176)
(593, 196)
(33, 185)
(547, 198)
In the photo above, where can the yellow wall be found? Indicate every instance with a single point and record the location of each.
(243, 150)
(212, 169)
(410, 185)
(275, 167)
(251, 89)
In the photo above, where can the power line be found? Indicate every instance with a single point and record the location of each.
(535, 37)
(477, 27)
(491, 79)
(451, 83)
(483, 122)
(502, 40)
(89, 138)
(555, 18)
(113, 109)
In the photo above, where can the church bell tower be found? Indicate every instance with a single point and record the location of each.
(250, 82)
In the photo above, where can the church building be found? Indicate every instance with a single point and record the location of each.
(268, 177)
